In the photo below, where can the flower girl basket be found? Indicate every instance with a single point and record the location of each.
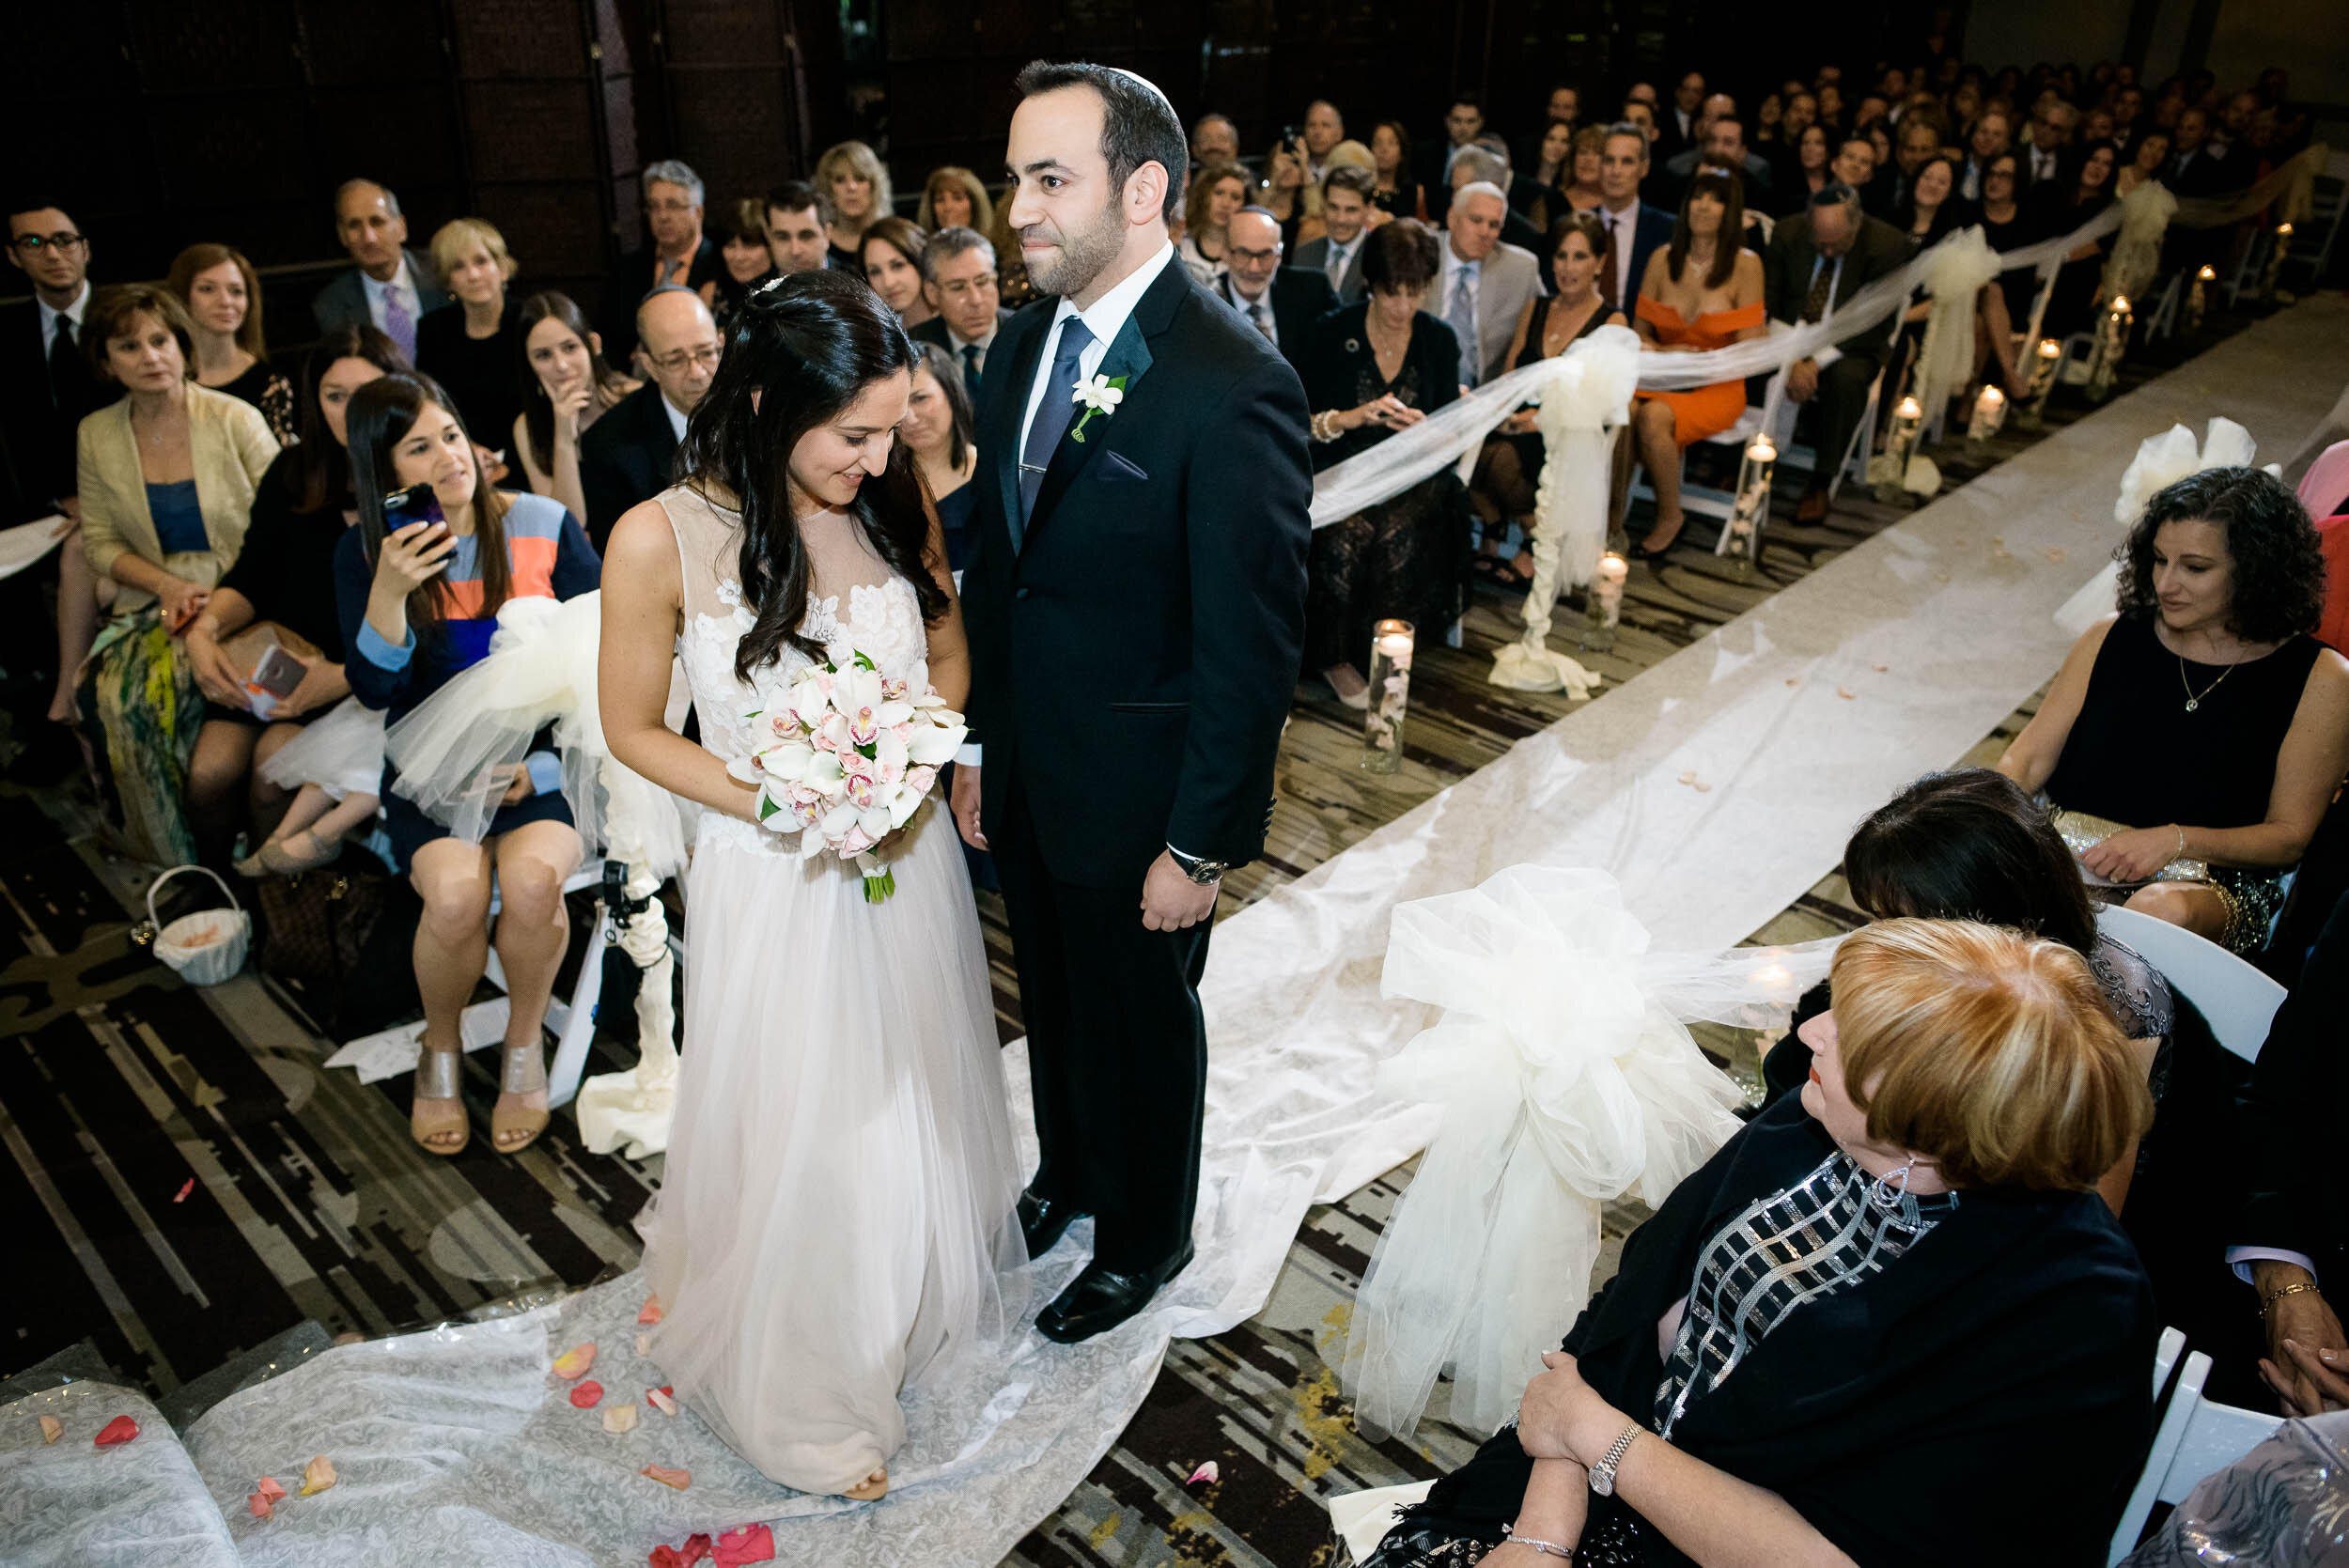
(204, 948)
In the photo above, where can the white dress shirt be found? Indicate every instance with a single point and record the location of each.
(73, 312)
(676, 417)
(1105, 320)
(1340, 257)
(1257, 312)
(2043, 165)
(401, 284)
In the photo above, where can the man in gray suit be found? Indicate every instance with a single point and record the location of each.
(1483, 285)
(1338, 255)
(958, 281)
(389, 287)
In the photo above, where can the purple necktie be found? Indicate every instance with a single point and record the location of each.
(398, 325)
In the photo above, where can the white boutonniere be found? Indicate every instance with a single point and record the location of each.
(1099, 394)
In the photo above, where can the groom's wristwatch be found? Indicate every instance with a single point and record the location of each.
(1203, 873)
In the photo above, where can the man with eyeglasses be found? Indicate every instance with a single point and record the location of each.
(677, 255)
(958, 280)
(1282, 303)
(625, 457)
(46, 385)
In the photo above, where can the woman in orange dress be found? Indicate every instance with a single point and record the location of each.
(1701, 291)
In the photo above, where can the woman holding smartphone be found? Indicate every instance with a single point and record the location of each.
(418, 586)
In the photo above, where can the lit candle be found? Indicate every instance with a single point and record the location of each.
(2111, 343)
(1989, 414)
(2277, 251)
(2196, 299)
(1391, 645)
(1607, 585)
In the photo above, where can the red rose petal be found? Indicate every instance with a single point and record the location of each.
(696, 1547)
(117, 1431)
(751, 1544)
(262, 1507)
(586, 1394)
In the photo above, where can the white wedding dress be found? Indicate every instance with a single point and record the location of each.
(837, 1214)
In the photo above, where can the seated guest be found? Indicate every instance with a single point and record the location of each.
(46, 387)
(1817, 259)
(2291, 1236)
(1511, 465)
(938, 430)
(1214, 139)
(166, 482)
(795, 228)
(2147, 158)
(1886, 1322)
(679, 255)
(959, 283)
(418, 604)
(2007, 225)
(2220, 584)
(1394, 191)
(1856, 164)
(1807, 172)
(1216, 192)
(223, 299)
(1481, 166)
(1702, 292)
(953, 197)
(747, 262)
(1282, 303)
(1640, 113)
(474, 347)
(1337, 254)
(891, 250)
(1724, 149)
(1922, 218)
(1564, 107)
(1582, 188)
(1372, 370)
(1919, 144)
(285, 575)
(854, 184)
(1549, 160)
(2063, 206)
(1481, 286)
(2051, 136)
(569, 386)
(388, 286)
(1990, 137)
(626, 457)
(1635, 230)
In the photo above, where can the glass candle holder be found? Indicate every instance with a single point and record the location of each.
(1900, 440)
(1989, 414)
(2044, 361)
(1390, 696)
(2198, 298)
(2277, 251)
(1741, 540)
(2112, 341)
(1605, 606)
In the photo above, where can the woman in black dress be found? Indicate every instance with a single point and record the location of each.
(1503, 489)
(1890, 1322)
(2064, 203)
(2191, 743)
(748, 265)
(472, 347)
(1374, 369)
(1394, 189)
(222, 295)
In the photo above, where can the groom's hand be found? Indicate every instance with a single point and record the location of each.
(1171, 901)
(965, 807)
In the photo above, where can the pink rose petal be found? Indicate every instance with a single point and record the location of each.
(185, 1188)
(267, 1487)
(262, 1507)
(750, 1543)
(668, 1477)
(575, 1361)
(652, 1312)
(1206, 1475)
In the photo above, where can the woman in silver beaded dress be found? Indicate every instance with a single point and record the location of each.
(1890, 1322)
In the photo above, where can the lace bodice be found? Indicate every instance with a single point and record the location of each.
(883, 621)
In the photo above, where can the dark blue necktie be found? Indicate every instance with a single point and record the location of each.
(1052, 415)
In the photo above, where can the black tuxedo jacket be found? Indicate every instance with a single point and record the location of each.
(625, 458)
(630, 281)
(36, 427)
(1133, 660)
(934, 332)
(2298, 1198)
(1651, 231)
(1300, 299)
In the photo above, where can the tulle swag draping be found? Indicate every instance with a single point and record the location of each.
(453, 752)
(1566, 1076)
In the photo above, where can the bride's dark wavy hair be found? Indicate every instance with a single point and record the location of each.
(808, 346)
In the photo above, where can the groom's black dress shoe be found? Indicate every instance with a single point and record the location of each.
(1101, 1298)
(1044, 1221)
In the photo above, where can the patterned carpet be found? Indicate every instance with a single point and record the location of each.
(192, 1189)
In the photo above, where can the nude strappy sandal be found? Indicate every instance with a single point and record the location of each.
(522, 1070)
(437, 1074)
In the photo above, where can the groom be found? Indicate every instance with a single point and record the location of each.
(1136, 606)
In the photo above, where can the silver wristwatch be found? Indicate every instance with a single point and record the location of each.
(1603, 1473)
(1203, 873)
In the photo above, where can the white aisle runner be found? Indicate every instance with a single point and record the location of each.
(459, 1448)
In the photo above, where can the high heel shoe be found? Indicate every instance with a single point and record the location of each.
(437, 1073)
(522, 1071)
(1651, 553)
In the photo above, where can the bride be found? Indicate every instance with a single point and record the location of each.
(837, 1213)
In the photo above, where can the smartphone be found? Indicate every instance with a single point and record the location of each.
(417, 504)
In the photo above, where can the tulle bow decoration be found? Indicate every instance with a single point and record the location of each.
(1567, 1076)
(2146, 214)
(1961, 266)
(2161, 461)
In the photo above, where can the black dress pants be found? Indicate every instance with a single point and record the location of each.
(1117, 1051)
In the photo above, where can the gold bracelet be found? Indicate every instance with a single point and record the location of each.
(2279, 1293)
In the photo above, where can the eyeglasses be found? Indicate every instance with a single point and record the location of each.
(1242, 254)
(969, 285)
(706, 356)
(33, 244)
(669, 208)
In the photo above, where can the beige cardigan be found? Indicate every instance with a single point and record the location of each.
(232, 447)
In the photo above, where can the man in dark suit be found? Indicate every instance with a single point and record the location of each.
(678, 256)
(1817, 259)
(958, 281)
(1337, 255)
(1137, 587)
(1679, 125)
(1635, 230)
(388, 287)
(1725, 149)
(628, 456)
(1282, 303)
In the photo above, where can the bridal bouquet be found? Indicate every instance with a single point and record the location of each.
(845, 757)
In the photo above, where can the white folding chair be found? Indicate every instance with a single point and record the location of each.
(2197, 1438)
(2236, 999)
(2163, 320)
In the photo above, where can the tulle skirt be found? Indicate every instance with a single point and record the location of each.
(837, 1217)
(341, 752)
